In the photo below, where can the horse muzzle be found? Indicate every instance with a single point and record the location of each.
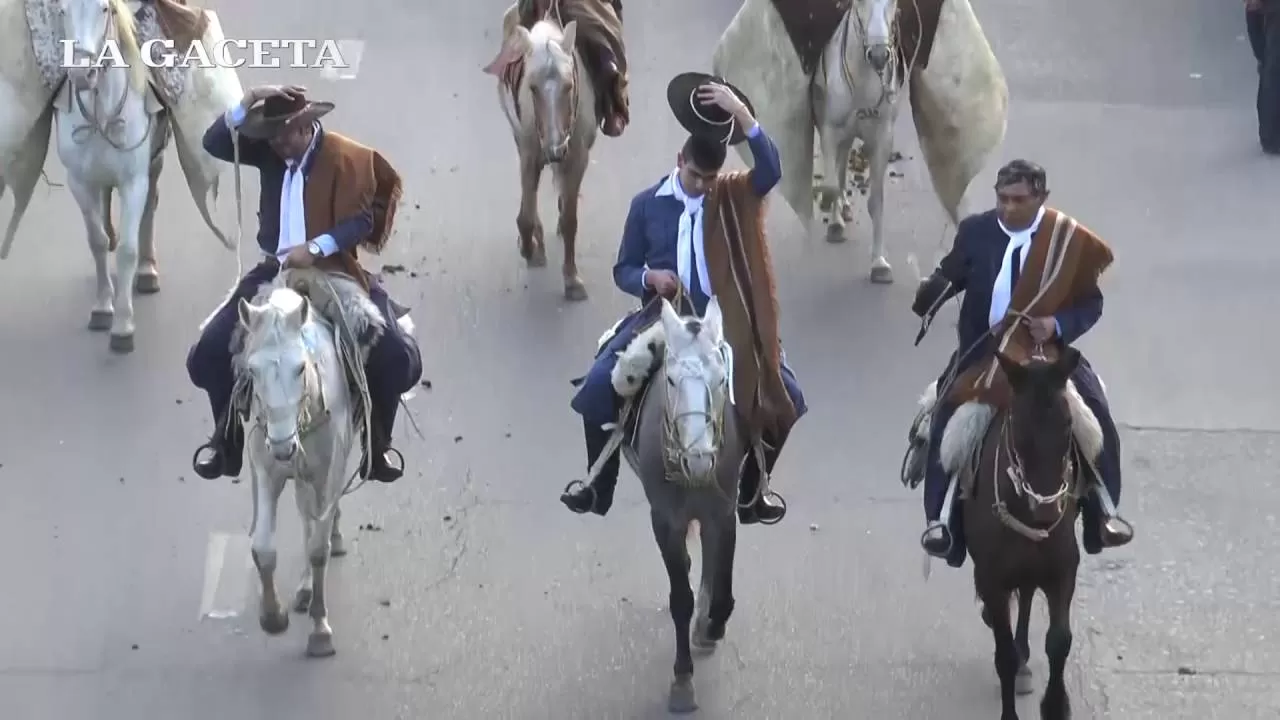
(878, 56)
(283, 450)
(698, 465)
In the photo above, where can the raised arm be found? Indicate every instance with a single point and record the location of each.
(951, 275)
(629, 270)
(766, 172)
(219, 143)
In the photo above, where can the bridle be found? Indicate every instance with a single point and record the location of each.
(888, 75)
(677, 451)
(113, 122)
(311, 416)
(575, 93)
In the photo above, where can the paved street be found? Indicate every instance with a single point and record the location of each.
(471, 593)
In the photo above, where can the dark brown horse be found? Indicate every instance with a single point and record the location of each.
(1020, 525)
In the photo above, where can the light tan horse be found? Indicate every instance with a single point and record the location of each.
(548, 100)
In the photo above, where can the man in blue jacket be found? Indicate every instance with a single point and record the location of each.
(664, 251)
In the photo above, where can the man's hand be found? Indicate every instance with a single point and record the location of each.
(663, 282)
(1042, 328)
(262, 92)
(725, 99)
(300, 257)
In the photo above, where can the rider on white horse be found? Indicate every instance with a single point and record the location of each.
(306, 218)
(665, 250)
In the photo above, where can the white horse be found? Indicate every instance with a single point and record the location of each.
(300, 427)
(108, 134)
(855, 97)
(549, 101)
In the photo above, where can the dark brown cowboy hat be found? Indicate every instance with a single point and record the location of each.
(700, 118)
(272, 115)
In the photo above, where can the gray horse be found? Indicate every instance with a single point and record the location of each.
(688, 453)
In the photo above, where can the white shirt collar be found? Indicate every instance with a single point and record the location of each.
(690, 241)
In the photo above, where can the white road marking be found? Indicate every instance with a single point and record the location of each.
(228, 567)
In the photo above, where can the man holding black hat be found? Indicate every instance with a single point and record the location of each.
(701, 231)
(323, 195)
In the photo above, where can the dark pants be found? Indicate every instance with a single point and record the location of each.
(393, 368)
(1108, 464)
(1264, 37)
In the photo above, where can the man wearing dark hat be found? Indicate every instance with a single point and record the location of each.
(323, 196)
(701, 230)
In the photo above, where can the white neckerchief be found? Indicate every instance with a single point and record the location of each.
(1002, 293)
(689, 233)
(293, 214)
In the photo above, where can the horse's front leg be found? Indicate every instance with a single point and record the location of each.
(996, 604)
(133, 202)
(532, 247)
(836, 136)
(271, 616)
(148, 279)
(878, 150)
(719, 546)
(1026, 598)
(319, 545)
(570, 191)
(1056, 704)
(675, 556)
(94, 209)
(338, 544)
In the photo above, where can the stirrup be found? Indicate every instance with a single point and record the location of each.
(946, 533)
(399, 458)
(209, 447)
(569, 490)
(782, 503)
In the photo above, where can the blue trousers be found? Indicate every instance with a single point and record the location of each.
(393, 368)
(596, 400)
(1108, 462)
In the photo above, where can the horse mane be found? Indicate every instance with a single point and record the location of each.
(127, 31)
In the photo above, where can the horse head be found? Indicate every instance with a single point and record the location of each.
(697, 386)
(550, 72)
(282, 367)
(89, 27)
(876, 19)
(1039, 431)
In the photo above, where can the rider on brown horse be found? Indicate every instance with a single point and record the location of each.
(990, 254)
(601, 45)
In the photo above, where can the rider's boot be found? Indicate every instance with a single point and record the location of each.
(613, 104)
(753, 506)
(224, 453)
(1103, 526)
(598, 496)
(382, 421)
(937, 539)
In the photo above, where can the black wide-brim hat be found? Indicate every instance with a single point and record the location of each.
(267, 119)
(700, 118)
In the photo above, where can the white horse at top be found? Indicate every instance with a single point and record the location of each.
(301, 427)
(108, 133)
(855, 97)
(549, 101)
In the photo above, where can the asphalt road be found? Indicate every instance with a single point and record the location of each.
(127, 592)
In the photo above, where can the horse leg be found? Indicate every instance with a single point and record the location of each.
(570, 188)
(319, 545)
(996, 603)
(878, 168)
(306, 580)
(338, 544)
(836, 137)
(1026, 598)
(1056, 704)
(675, 555)
(133, 202)
(266, 491)
(92, 208)
(723, 543)
(532, 248)
(148, 279)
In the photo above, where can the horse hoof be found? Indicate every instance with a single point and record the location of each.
(682, 700)
(337, 546)
(537, 258)
(274, 623)
(705, 637)
(121, 343)
(147, 284)
(1022, 681)
(100, 320)
(320, 645)
(835, 233)
(575, 291)
(882, 275)
(302, 600)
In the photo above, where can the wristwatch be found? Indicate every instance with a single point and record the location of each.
(313, 248)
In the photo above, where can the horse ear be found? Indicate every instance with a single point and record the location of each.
(570, 36)
(246, 312)
(1013, 370)
(304, 311)
(514, 47)
(670, 318)
(713, 321)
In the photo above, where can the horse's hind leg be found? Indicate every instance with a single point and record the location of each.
(532, 247)
(878, 151)
(1056, 704)
(675, 556)
(94, 210)
(1026, 598)
(271, 616)
(570, 189)
(133, 202)
(996, 603)
(148, 279)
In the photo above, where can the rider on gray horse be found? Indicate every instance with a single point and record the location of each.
(990, 252)
(306, 218)
(671, 247)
